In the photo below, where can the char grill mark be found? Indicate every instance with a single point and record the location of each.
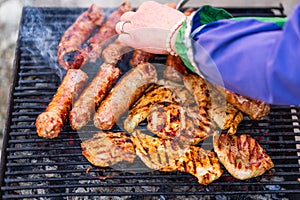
(50, 123)
(108, 148)
(242, 156)
(96, 43)
(188, 129)
(91, 97)
(168, 155)
(69, 51)
(126, 91)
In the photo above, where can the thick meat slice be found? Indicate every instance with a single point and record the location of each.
(223, 113)
(201, 163)
(69, 54)
(168, 155)
(211, 101)
(139, 57)
(172, 121)
(51, 121)
(156, 153)
(254, 108)
(108, 148)
(241, 155)
(154, 95)
(114, 52)
(96, 43)
(199, 88)
(175, 68)
(127, 90)
(232, 119)
(90, 99)
(186, 98)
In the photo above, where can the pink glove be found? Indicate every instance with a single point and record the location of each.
(149, 27)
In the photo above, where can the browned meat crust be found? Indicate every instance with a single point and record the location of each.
(201, 163)
(69, 56)
(255, 109)
(124, 94)
(168, 155)
(139, 57)
(211, 101)
(114, 52)
(96, 43)
(241, 155)
(175, 68)
(200, 90)
(49, 123)
(140, 110)
(108, 148)
(172, 121)
(90, 99)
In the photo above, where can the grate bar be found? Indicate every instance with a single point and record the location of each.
(36, 168)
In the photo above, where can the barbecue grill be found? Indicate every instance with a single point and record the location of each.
(37, 168)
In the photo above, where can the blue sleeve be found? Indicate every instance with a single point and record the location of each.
(253, 58)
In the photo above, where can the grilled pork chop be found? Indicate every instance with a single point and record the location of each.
(168, 155)
(201, 163)
(173, 121)
(155, 95)
(241, 155)
(232, 119)
(214, 103)
(255, 109)
(108, 148)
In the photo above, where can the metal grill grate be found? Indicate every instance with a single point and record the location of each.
(33, 167)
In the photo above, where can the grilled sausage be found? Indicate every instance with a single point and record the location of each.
(175, 68)
(139, 57)
(106, 31)
(69, 54)
(49, 123)
(114, 52)
(92, 95)
(124, 94)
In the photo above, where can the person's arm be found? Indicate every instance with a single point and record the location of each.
(257, 58)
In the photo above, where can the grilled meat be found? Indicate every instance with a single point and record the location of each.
(201, 163)
(69, 54)
(90, 99)
(211, 101)
(226, 116)
(156, 153)
(168, 155)
(139, 57)
(184, 95)
(255, 109)
(172, 121)
(188, 11)
(232, 119)
(154, 95)
(108, 148)
(96, 43)
(241, 155)
(51, 121)
(124, 94)
(200, 90)
(175, 68)
(114, 52)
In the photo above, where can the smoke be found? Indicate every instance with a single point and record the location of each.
(42, 36)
